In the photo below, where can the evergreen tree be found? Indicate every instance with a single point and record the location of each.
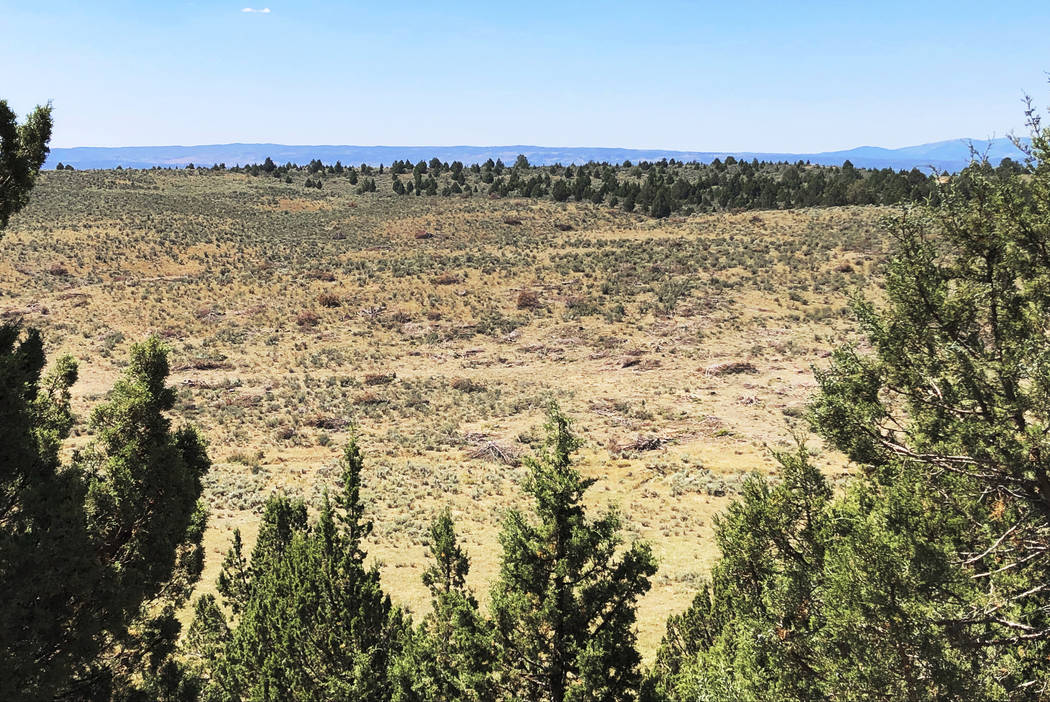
(560, 190)
(926, 578)
(953, 400)
(97, 556)
(147, 519)
(449, 658)
(564, 603)
(44, 543)
(311, 622)
(23, 149)
(661, 206)
(749, 635)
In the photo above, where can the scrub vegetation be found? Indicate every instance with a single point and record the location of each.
(306, 434)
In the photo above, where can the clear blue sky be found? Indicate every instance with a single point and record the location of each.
(730, 75)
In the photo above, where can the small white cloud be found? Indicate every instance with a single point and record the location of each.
(263, 11)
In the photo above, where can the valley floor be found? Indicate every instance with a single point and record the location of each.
(440, 327)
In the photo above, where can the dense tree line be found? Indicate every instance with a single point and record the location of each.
(658, 189)
(927, 577)
(285, 171)
(666, 187)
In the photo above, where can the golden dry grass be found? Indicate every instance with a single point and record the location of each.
(632, 313)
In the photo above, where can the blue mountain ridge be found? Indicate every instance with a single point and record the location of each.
(951, 155)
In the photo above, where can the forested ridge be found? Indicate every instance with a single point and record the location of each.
(925, 577)
(658, 189)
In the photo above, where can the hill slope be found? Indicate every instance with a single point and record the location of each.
(441, 326)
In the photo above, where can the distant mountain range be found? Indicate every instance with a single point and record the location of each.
(951, 155)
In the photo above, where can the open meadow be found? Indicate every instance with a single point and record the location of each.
(441, 327)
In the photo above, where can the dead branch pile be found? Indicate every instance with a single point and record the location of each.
(731, 368)
(203, 364)
(328, 423)
(642, 443)
(496, 451)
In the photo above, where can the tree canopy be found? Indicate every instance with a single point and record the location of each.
(310, 620)
(96, 555)
(563, 606)
(23, 149)
(925, 579)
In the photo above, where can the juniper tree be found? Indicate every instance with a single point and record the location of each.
(311, 622)
(926, 579)
(146, 516)
(560, 190)
(955, 394)
(457, 172)
(749, 634)
(449, 657)
(816, 598)
(563, 606)
(23, 149)
(44, 543)
(97, 555)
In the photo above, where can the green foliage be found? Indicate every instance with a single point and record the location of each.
(811, 599)
(564, 604)
(43, 541)
(23, 148)
(145, 515)
(926, 579)
(954, 397)
(95, 556)
(449, 657)
(560, 191)
(661, 206)
(748, 636)
(311, 622)
(658, 189)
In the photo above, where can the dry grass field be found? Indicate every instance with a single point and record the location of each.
(441, 327)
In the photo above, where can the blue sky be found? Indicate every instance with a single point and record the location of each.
(731, 75)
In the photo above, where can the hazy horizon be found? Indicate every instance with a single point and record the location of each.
(407, 145)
